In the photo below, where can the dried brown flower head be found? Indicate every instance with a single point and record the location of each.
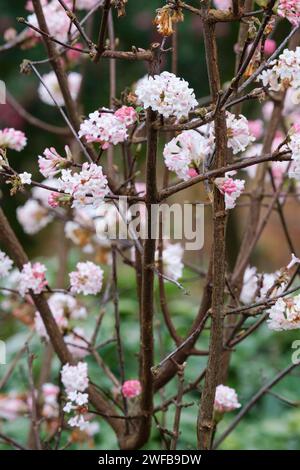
(166, 17)
(120, 6)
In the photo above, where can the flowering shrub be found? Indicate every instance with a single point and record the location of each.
(97, 308)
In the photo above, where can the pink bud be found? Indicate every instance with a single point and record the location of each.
(192, 172)
(131, 388)
(270, 46)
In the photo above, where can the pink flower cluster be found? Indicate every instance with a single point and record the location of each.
(108, 128)
(12, 139)
(52, 162)
(89, 186)
(226, 399)
(290, 9)
(32, 278)
(230, 188)
(87, 279)
(131, 388)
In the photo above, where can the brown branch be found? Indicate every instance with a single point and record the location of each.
(103, 30)
(239, 165)
(205, 422)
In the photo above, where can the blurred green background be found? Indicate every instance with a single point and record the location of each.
(271, 424)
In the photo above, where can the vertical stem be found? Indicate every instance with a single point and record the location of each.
(102, 31)
(147, 345)
(117, 320)
(205, 425)
(112, 87)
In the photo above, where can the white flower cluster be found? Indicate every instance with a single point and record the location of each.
(87, 279)
(5, 264)
(108, 128)
(185, 153)
(75, 380)
(256, 285)
(167, 94)
(226, 399)
(285, 314)
(50, 80)
(89, 186)
(284, 73)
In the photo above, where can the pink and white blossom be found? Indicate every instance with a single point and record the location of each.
(230, 188)
(87, 279)
(257, 286)
(127, 115)
(290, 9)
(185, 153)
(52, 162)
(12, 139)
(167, 94)
(285, 314)
(67, 305)
(32, 278)
(131, 388)
(284, 74)
(226, 399)
(238, 133)
(75, 378)
(105, 128)
(89, 186)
